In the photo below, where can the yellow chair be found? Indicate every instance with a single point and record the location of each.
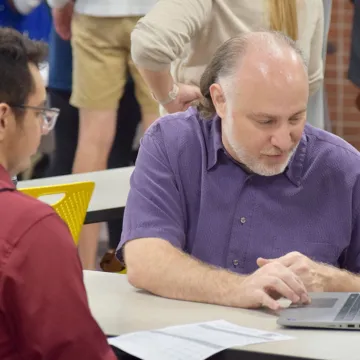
(72, 207)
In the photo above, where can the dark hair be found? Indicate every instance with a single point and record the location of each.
(16, 52)
(228, 56)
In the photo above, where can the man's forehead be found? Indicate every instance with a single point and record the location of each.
(262, 79)
(265, 65)
(265, 89)
(266, 54)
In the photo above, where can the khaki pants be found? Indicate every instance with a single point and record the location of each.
(101, 60)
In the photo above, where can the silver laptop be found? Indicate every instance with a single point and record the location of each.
(327, 310)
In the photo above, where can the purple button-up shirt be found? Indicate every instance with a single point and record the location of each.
(185, 189)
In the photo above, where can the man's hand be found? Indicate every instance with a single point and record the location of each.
(187, 94)
(313, 275)
(62, 20)
(271, 281)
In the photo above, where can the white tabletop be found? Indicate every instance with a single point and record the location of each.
(111, 186)
(119, 308)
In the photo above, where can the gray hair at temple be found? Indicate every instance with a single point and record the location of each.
(225, 62)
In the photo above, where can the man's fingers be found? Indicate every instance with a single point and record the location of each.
(291, 279)
(261, 261)
(192, 93)
(198, 93)
(286, 260)
(281, 287)
(269, 302)
(296, 284)
(290, 258)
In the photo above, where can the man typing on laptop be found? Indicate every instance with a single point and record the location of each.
(238, 201)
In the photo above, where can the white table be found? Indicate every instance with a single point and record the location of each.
(119, 308)
(110, 194)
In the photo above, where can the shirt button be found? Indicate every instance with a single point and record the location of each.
(235, 262)
(243, 220)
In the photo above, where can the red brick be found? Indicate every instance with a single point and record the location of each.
(349, 101)
(331, 59)
(331, 88)
(347, 31)
(348, 6)
(333, 33)
(330, 73)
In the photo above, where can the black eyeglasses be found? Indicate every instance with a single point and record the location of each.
(49, 116)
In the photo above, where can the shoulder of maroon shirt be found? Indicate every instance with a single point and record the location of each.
(18, 214)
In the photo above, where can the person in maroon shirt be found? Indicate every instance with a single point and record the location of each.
(44, 313)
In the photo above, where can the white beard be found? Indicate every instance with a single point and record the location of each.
(254, 164)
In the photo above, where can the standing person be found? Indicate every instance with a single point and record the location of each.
(66, 131)
(173, 43)
(43, 304)
(100, 37)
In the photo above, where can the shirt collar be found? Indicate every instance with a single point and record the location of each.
(5, 180)
(294, 170)
(215, 142)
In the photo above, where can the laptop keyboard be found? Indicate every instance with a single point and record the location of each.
(350, 310)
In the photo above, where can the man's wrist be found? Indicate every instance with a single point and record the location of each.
(170, 96)
(338, 280)
(160, 82)
(222, 286)
(233, 294)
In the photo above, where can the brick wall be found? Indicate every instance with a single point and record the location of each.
(345, 118)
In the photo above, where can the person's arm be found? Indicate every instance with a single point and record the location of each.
(161, 37)
(342, 281)
(159, 267)
(154, 240)
(156, 266)
(316, 62)
(62, 13)
(318, 277)
(44, 298)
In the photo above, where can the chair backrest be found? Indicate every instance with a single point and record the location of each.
(72, 207)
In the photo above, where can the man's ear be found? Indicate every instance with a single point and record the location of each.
(5, 113)
(218, 99)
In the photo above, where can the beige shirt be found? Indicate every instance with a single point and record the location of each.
(107, 8)
(186, 33)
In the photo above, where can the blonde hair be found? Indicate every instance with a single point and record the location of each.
(283, 17)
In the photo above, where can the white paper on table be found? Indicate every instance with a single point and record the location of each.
(191, 342)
